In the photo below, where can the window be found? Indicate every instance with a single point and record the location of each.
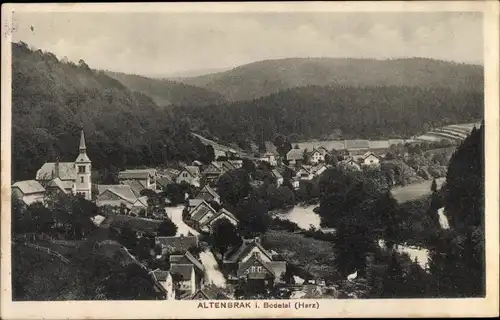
(81, 179)
(259, 269)
(252, 269)
(81, 169)
(185, 174)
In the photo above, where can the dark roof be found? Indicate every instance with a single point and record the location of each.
(245, 265)
(184, 270)
(163, 181)
(122, 190)
(209, 190)
(245, 248)
(178, 243)
(201, 210)
(135, 185)
(211, 293)
(221, 212)
(160, 275)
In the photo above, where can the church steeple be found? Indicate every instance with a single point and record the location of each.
(83, 148)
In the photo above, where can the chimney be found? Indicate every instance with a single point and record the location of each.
(257, 240)
(56, 168)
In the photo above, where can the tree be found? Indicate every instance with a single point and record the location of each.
(434, 185)
(253, 217)
(352, 244)
(233, 186)
(128, 237)
(175, 193)
(393, 280)
(224, 235)
(167, 228)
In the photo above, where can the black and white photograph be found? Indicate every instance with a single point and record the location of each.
(282, 159)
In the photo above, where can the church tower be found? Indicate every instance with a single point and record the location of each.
(83, 185)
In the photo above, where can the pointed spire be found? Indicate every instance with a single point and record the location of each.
(82, 142)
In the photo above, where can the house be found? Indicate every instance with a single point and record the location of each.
(74, 176)
(188, 259)
(144, 177)
(184, 278)
(295, 156)
(350, 164)
(209, 293)
(162, 182)
(237, 164)
(140, 204)
(207, 225)
(201, 213)
(304, 173)
(213, 172)
(295, 183)
(136, 186)
(193, 203)
(207, 193)
(176, 244)
(54, 187)
(318, 169)
(252, 262)
(370, 159)
(317, 155)
(116, 196)
(164, 278)
(279, 178)
(28, 191)
(227, 165)
(190, 175)
(269, 158)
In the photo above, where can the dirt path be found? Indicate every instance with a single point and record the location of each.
(212, 272)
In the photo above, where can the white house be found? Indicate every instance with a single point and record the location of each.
(207, 225)
(370, 159)
(279, 178)
(317, 155)
(269, 158)
(28, 191)
(164, 278)
(304, 173)
(190, 175)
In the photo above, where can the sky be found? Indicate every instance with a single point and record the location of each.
(173, 43)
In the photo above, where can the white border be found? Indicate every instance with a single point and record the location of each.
(328, 308)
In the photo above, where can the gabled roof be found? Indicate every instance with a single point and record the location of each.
(222, 212)
(160, 275)
(227, 165)
(67, 171)
(245, 248)
(29, 186)
(295, 154)
(369, 153)
(194, 171)
(194, 202)
(305, 168)
(194, 261)
(178, 243)
(210, 293)
(141, 202)
(136, 186)
(164, 181)
(56, 184)
(136, 174)
(214, 167)
(276, 174)
(209, 190)
(184, 270)
(201, 210)
(122, 190)
(245, 265)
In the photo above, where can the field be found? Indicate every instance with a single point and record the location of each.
(136, 223)
(456, 132)
(415, 191)
(314, 256)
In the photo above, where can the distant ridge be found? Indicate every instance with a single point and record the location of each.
(266, 77)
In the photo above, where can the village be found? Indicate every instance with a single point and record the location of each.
(207, 254)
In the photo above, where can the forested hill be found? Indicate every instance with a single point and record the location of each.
(166, 93)
(262, 78)
(52, 100)
(316, 112)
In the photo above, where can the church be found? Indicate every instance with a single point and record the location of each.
(73, 177)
